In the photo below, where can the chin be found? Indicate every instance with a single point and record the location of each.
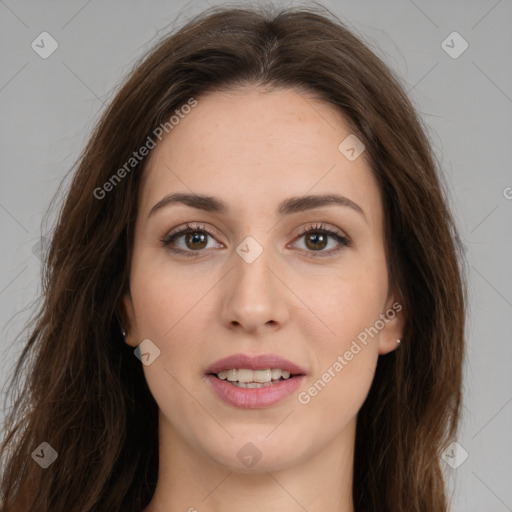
(256, 454)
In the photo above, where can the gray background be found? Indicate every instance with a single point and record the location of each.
(49, 106)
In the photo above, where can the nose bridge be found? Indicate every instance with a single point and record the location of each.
(255, 295)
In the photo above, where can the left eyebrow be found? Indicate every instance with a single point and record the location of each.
(286, 207)
(304, 203)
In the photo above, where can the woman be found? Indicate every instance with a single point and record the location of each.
(253, 295)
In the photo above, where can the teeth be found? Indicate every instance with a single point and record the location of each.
(244, 375)
(252, 384)
(231, 375)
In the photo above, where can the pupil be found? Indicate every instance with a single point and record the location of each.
(192, 238)
(315, 243)
(317, 239)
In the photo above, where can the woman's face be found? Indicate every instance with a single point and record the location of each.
(246, 282)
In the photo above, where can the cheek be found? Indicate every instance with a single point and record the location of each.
(346, 302)
(161, 293)
(171, 310)
(167, 315)
(346, 343)
(167, 309)
(345, 356)
(334, 397)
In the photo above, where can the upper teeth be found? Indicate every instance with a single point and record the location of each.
(244, 375)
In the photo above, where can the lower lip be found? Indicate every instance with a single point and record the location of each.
(254, 398)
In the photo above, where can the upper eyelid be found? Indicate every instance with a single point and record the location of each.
(302, 231)
(343, 241)
(319, 225)
(181, 230)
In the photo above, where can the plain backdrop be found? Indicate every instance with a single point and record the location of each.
(464, 95)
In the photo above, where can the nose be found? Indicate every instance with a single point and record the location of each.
(254, 294)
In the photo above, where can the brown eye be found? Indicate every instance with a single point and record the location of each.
(316, 239)
(196, 240)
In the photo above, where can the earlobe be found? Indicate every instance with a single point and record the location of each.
(387, 348)
(392, 332)
(128, 325)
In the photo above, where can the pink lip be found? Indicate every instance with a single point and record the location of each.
(259, 362)
(254, 398)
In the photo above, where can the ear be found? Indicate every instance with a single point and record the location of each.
(128, 320)
(393, 319)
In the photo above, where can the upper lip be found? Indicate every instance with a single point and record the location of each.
(256, 362)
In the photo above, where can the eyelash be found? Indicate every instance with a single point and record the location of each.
(317, 228)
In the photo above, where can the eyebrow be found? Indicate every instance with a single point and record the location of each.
(286, 207)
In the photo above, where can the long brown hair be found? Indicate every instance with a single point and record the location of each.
(85, 393)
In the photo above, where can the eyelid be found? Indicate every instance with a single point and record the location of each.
(330, 231)
(182, 229)
(322, 227)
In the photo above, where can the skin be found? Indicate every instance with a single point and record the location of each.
(252, 149)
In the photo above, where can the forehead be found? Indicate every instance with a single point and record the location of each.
(253, 148)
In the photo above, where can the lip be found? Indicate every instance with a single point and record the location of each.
(258, 362)
(254, 398)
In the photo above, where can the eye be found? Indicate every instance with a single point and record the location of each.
(316, 238)
(195, 237)
(196, 240)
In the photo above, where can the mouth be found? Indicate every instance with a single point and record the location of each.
(247, 378)
(252, 382)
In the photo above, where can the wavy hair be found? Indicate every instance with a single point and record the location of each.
(78, 386)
